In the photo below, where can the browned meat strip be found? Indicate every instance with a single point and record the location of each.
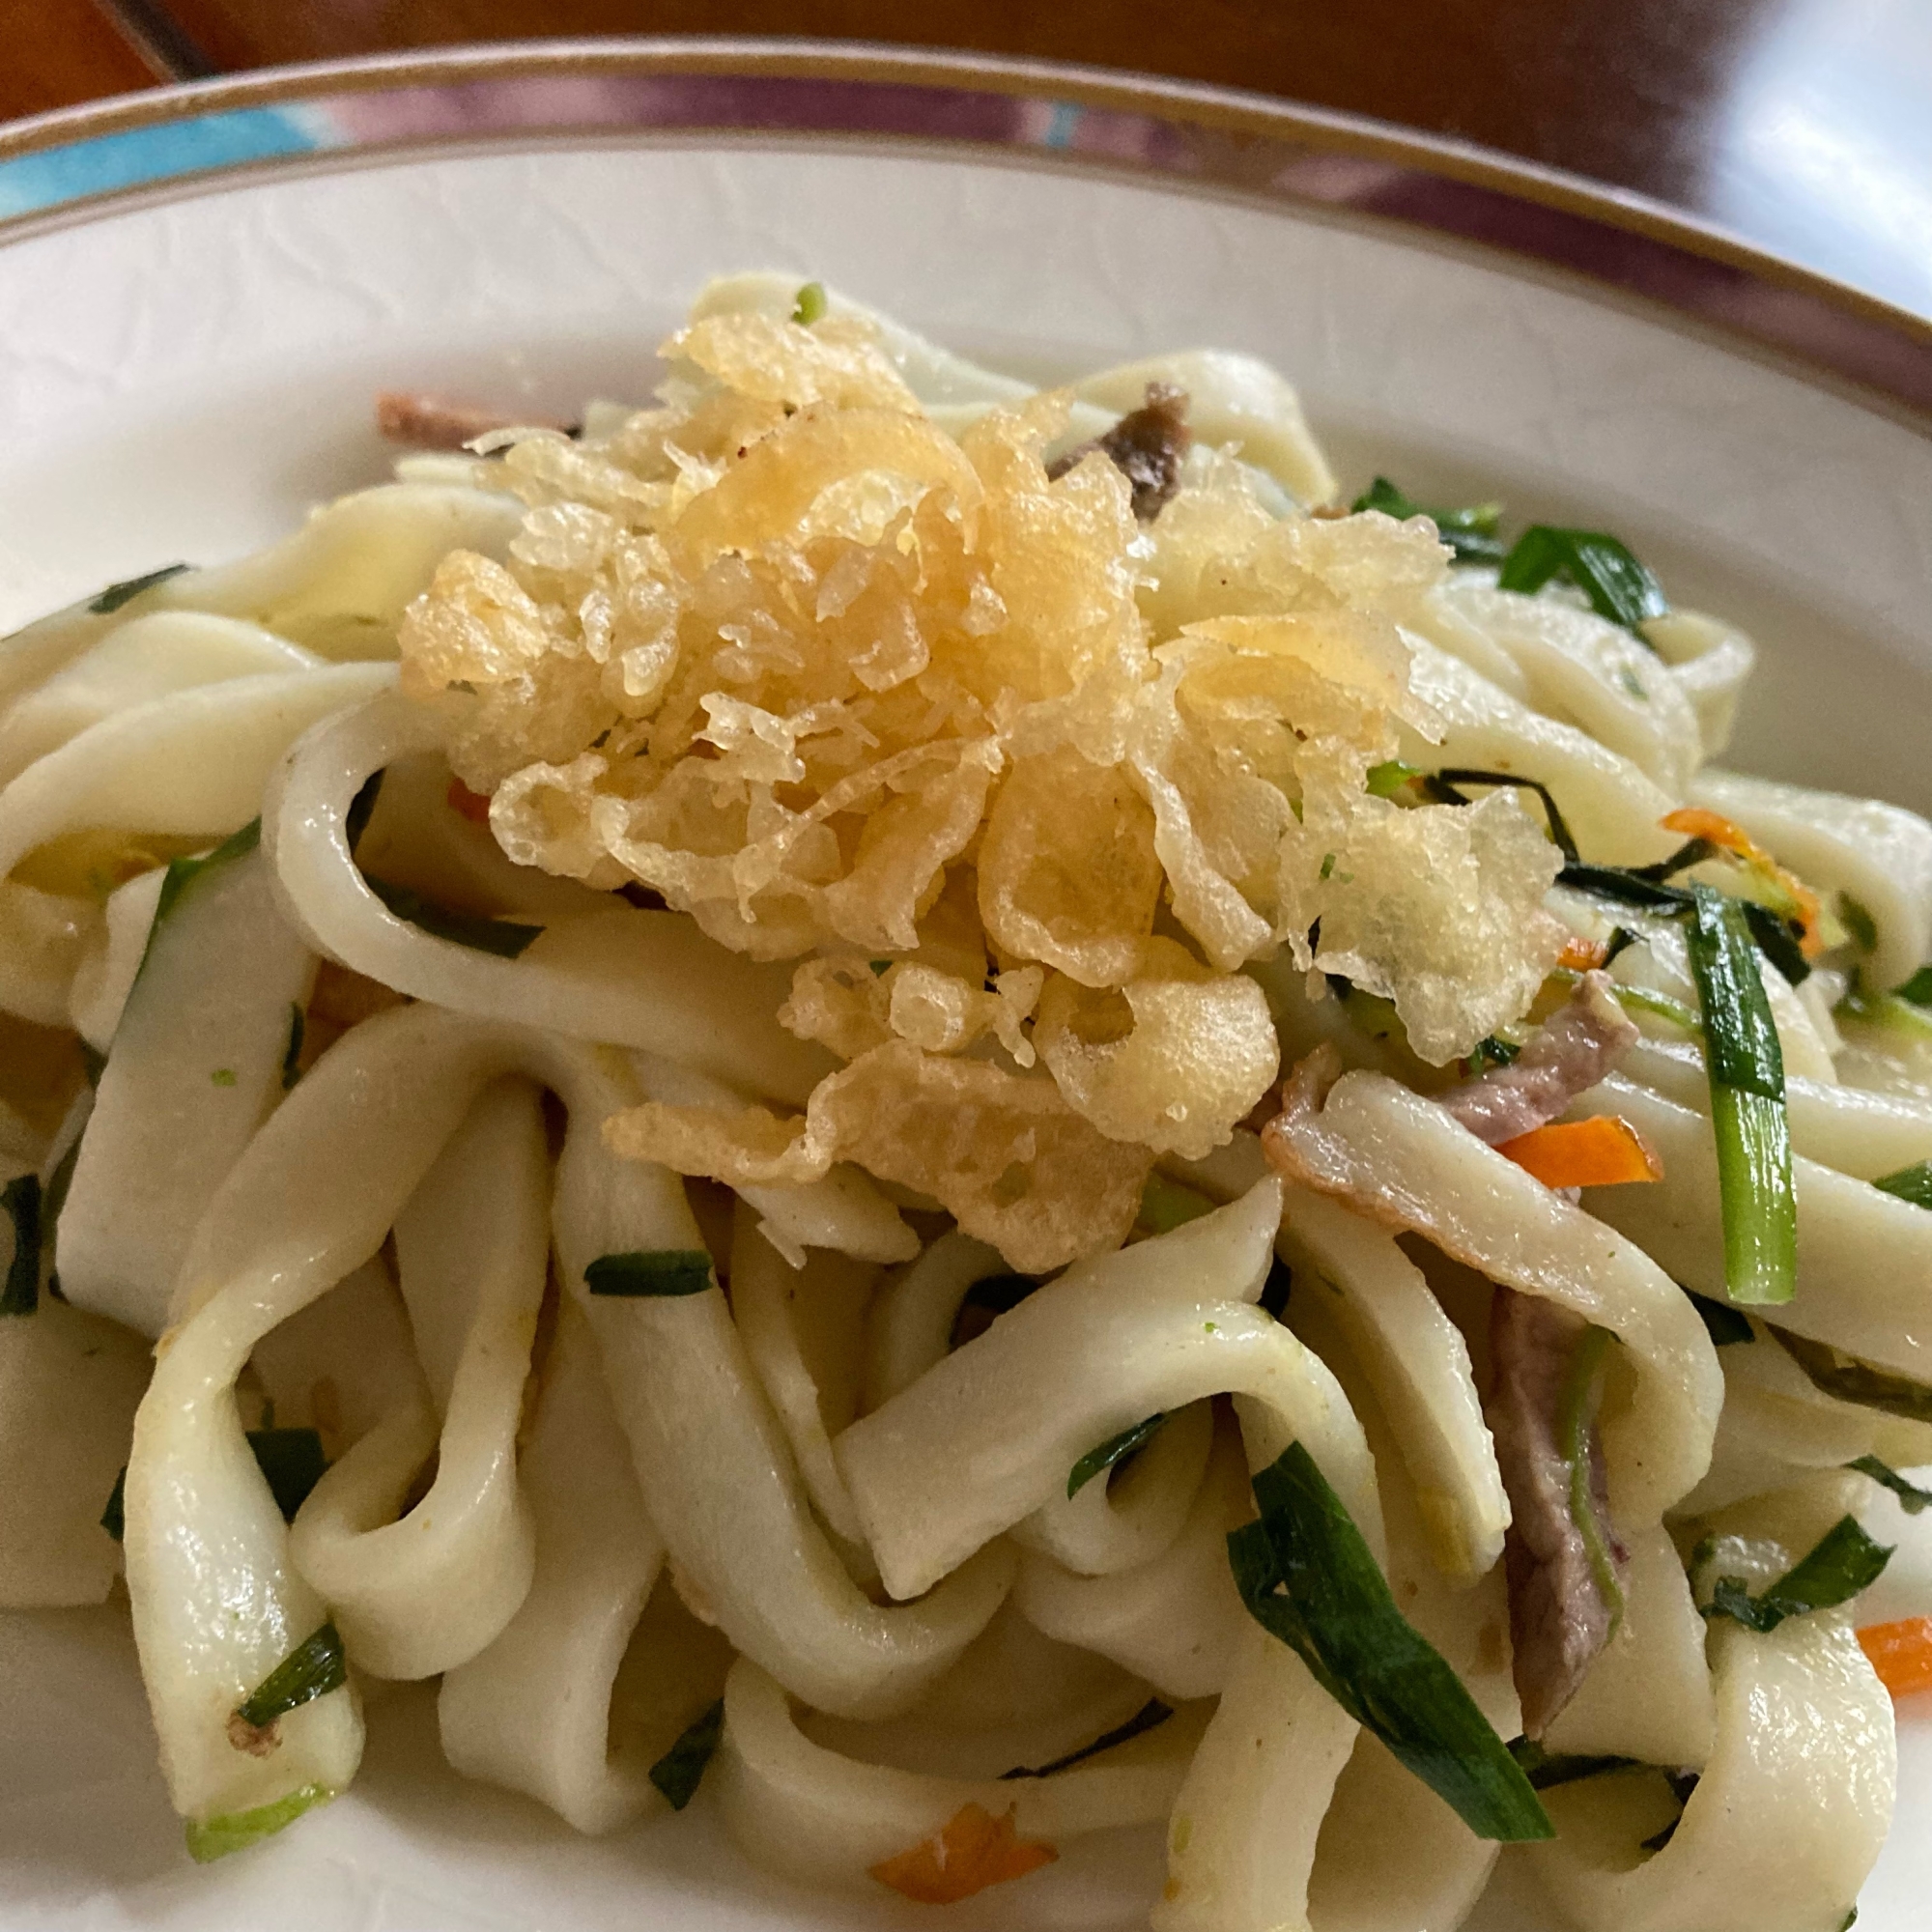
(1565, 1567)
(435, 422)
(1146, 446)
(1571, 1053)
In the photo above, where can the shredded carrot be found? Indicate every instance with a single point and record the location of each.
(1598, 1152)
(1901, 1654)
(1789, 894)
(971, 1851)
(1580, 954)
(475, 806)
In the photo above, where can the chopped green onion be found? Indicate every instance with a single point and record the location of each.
(223, 1076)
(1471, 532)
(21, 1199)
(650, 1271)
(1857, 921)
(361, 809)
(1545, 1769)
(1911, 1183)
(1442, 787)
(1912, 1499)
(1574, 1417)
(503, 937)
(880, 967)
(1918, 990)
(1776, 937)
(114, 1518)
(129, 588)
(1602, 567)
(678, 1772)
(1494, 1051)
(1746, 1069)
(1167, 1204)
(1151, 1714)
(314, 1669)
(239, 1829)
(1391, 777)
(810, 305)
(292, 1053)
(1116, 1449)
(1660, 1004)
(1844, 1561)
(985, 1301)
(1847, 1378)
(1722, 1322)
(293, 1462)
(1308, 1577)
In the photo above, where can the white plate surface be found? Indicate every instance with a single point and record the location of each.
(184, 378)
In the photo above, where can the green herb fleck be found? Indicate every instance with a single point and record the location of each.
(314, 1669)
(1859, 923)
(1308, 1577)
(1844, 1561)
(1391, 777)
(1912, 1499)
(1918, 990)
(1151, 1714)
(222, 1076)
(649, 1272)
(1116, 1449)
(1495, 1051)
(21, 1200)
(505, 938)
(1616, 586)
(292, 1053)
(129, 588)
(1327, 864)
(678, 1772)
(1470, 533)
(1911, 1183)
(880, 967)
(810, 305)
(239, 1829)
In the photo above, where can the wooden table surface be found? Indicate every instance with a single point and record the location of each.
(1806, 125)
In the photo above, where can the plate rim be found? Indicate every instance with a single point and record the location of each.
(1182, 134)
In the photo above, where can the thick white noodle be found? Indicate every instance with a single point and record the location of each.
(1864, 1258)
(1175, 1620)
(105, 976)
(827, 1819)
(424, 1593)
(532, 1711)
(191, 765)
(910, 1327)
(1415, 1359)
(142, 660)
(197, 1063)
(1880, 854)
(1610, 805)
(1413, 1165)
(622, 976)
(1710, 659)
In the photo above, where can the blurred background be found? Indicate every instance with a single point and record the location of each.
(1804, 125)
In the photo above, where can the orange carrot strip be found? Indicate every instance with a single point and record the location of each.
(1580, 954)
(475, 806)
(971, 1851)
(1694, 821)
(1901, 1654)
(1598, 1152)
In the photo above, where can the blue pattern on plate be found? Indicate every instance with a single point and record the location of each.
(45, 180)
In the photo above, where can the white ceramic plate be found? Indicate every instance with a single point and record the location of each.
(199, 295)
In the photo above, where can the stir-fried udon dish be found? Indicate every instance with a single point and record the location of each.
(956, 1116)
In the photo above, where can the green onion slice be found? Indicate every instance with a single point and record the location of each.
(1746, 1069)
(1116, 1449)
(129, 588)
(504, 937)
(1308, 1577)
(1850, 1380)
(1148, 1717)
(21, 1199)
(1573, 1419)
(677, 1773)
(1470, 533)
(1442, 787)
(650, 1271)
(1909, 1183)
(1844, 1561)
(239, 1829)
(1601, 566)
(1918, 990)
(1912, 1499)
(314, 1669)
(810, 305)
